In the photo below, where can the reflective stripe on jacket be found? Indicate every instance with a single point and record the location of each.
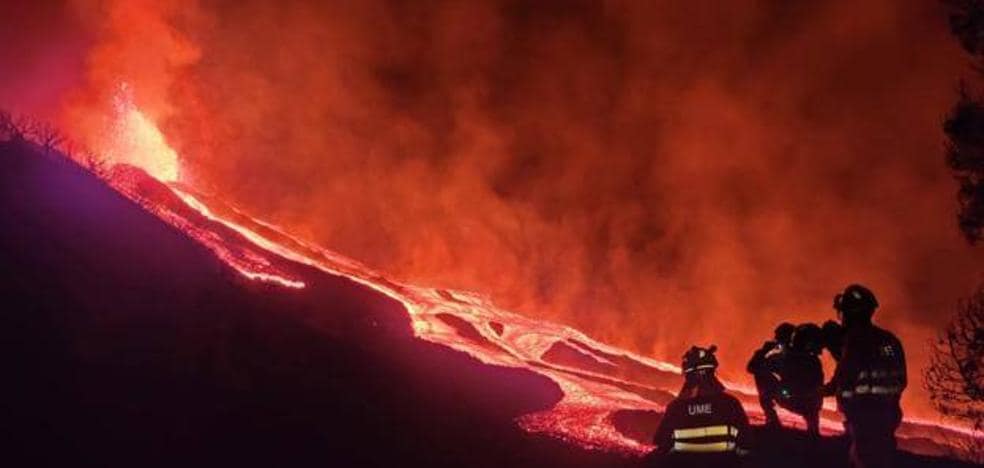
(703, 424)
(872, 366)
(720, 438)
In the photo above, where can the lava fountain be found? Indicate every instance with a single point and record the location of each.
(598, 381)
(135, 139)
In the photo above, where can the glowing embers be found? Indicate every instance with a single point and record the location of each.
(192, 218)
(598, 382)
(136, 140)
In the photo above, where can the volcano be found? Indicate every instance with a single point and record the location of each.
(149, 323)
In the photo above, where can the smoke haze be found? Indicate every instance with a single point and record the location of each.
(654, 173)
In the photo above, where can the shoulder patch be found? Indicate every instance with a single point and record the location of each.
(694, 409)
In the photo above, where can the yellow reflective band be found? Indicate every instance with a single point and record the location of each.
(878, 390)
(878, 374)
(708, 431)
(702, 366)
(875, 390)
(871, 390)
(703, 448)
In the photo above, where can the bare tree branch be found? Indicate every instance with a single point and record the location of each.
(955, 376)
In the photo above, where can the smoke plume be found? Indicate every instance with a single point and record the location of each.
(655, 173)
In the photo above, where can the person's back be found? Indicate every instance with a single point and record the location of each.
(802, 374)
(704, 430)
(788, 372)
(800, 392)
(871, 375)
(869, 380)
(703, 426)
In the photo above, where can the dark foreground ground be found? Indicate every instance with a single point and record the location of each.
(124, 343)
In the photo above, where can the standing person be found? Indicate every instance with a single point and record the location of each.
(703, 426)
(869, 380)
(788, 372)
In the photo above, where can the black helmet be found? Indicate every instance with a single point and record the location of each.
(784, 333)
(700, 360)
(808, 338)
(832, 332)
(856, 302)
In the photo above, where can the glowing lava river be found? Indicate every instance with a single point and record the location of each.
(598, 381)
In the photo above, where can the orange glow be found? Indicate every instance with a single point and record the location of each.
(651, 174)
(591, 394)
(599, 165)
(183, 213)
(597, 383)
(134, 139)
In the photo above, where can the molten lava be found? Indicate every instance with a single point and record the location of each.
(135, 139)
(597, 380)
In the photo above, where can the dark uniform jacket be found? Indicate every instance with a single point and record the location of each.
(800, 373)
(871, 373)
(766, 361)
(705, 430)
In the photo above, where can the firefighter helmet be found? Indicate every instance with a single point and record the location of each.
(783, 333)
(808, 338)
(856, 301)
(700, 360)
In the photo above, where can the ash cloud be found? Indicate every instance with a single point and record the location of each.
(43, 45)
(655, 173)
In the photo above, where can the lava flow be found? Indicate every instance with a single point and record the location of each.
(598, 381)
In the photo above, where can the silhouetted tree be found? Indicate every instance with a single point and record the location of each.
(964, 128)
(93, 163)
(964, 125)
(10, 127)
(46, 136)
(955, 376)
(967, 23)
(51, 141)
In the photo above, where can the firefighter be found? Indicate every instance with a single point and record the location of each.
(703, 425)
(766, 363)
(788, 372)
(868, 381)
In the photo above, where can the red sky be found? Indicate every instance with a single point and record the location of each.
(655, 173)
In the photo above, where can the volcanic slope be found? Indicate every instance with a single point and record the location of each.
(125, 342)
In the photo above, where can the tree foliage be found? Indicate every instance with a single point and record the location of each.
(10, 127)
(967, 24)
(955, 377)
(50, 140)
(964, 129)
(964, 126)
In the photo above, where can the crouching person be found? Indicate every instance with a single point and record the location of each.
(703, 426)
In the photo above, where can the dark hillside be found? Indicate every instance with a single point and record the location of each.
(126, 343)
